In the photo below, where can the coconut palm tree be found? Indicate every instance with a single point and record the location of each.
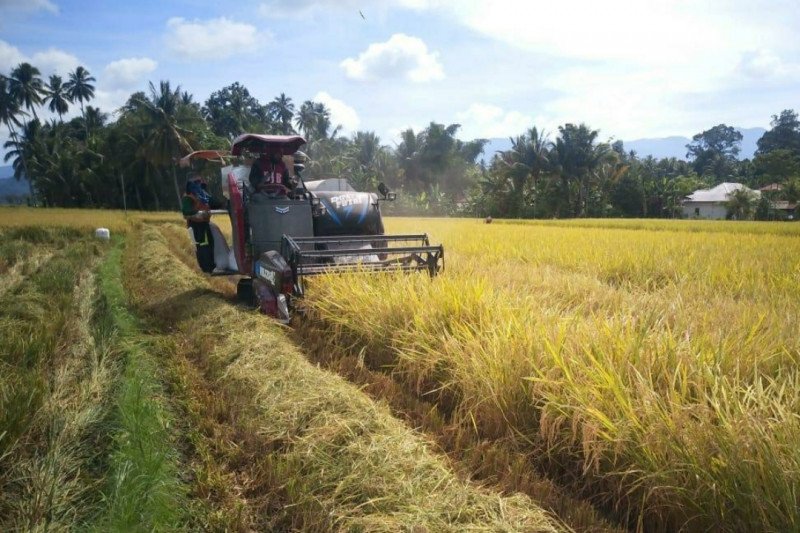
(21, 150)
(166, 122)
(79, 87)
(94, 119)
(528, 158)
(56, 97)
(9, 110)
(281, 109)
(306, 119)
(25, 85)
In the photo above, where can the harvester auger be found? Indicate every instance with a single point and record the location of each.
(281, 235)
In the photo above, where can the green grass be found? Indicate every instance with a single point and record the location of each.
(144, 490)
(49, 389)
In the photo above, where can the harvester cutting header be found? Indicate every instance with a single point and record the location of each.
(285, 229)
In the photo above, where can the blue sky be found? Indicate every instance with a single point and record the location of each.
(629, 68)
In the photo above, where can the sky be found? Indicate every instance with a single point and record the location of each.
(632, 69)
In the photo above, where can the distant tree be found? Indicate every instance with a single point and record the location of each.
(784, 135)
(21, 149)
(281, 109)
(26, 87)
(365, 153)
(627, 196)
(576, 156)
(9, 111)
(167, 124)
(741, 204)
(776, 165)
(306, 118)
(56, 97)
(714, 151)
(80, 87)
(232, 111)
(527, 160)
(94, 119)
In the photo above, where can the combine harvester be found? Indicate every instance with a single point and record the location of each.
(281, 235)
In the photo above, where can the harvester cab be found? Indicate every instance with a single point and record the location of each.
(281, 234)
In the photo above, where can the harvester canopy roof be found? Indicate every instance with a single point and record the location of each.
(266, 144)
(209, 155)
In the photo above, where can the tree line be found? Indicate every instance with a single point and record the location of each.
(130, 158)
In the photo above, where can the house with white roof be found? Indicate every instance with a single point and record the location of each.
(712, 203)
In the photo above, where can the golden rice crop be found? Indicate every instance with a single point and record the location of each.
(658, 370)
(82, 219)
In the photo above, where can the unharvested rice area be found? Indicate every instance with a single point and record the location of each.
(654, 371)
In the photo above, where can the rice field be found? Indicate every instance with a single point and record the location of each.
(653, 370)
(591, 375)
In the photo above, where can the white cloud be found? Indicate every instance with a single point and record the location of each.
(54, 61)
(762, 65)
(490, 121)
(127, 73)
(110, 101)
(50, 61)
(30, 5)
(636, 68)
(341, 113)
(212, 39)
(10, 57)
(402, 56)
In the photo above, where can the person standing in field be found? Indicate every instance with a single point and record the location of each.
(196, 205)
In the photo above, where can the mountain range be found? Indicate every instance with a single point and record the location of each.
(10, 188)
(657, 147)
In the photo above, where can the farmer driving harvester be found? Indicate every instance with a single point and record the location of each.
(269, 170)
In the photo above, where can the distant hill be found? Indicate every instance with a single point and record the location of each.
(6, 171)
(658, 147)
(11, 190)
(676, 146)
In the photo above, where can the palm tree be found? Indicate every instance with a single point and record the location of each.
(56, 95)
(22, 153)
(576, 156)
(528, 158)
(306, 119)
(9, 109)
(25, 85)
(79, 87)
(166, 121)
(741, 204)
(94, 119)
(282, 111)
